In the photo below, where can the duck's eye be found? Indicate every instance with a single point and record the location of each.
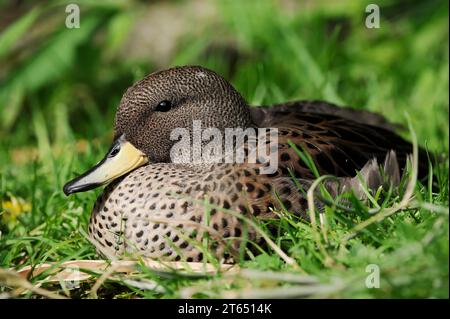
(163, 106)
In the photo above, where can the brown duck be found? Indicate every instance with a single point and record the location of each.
(163, 210)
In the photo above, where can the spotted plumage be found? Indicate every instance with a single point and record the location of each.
(164, 210)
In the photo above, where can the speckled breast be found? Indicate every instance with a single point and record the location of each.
(164, 211)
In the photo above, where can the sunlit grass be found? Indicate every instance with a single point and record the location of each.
(58, 99)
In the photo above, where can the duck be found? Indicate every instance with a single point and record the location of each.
(162, 208)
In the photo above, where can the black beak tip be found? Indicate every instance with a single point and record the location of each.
(67, 189)
(74, 187)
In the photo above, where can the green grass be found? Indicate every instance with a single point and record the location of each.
(59, 92)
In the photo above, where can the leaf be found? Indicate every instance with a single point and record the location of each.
(65, 271)
(118, 29)
(15, 31)
(12, 279)
(47, 65)
(12, 107)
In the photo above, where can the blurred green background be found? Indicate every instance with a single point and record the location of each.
(60, 87)
(68, 82)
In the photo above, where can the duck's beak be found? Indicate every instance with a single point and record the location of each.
(121, 158)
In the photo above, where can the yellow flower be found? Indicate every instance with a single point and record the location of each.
(13, 208)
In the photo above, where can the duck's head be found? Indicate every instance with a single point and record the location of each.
(152, 108)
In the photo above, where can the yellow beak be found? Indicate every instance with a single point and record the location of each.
(121, 158)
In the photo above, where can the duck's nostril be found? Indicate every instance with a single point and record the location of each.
(114, 152)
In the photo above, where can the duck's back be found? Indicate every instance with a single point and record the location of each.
(339, 140)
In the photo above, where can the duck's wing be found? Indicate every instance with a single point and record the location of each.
(338, 145)
(263, 115)
(264, 192)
